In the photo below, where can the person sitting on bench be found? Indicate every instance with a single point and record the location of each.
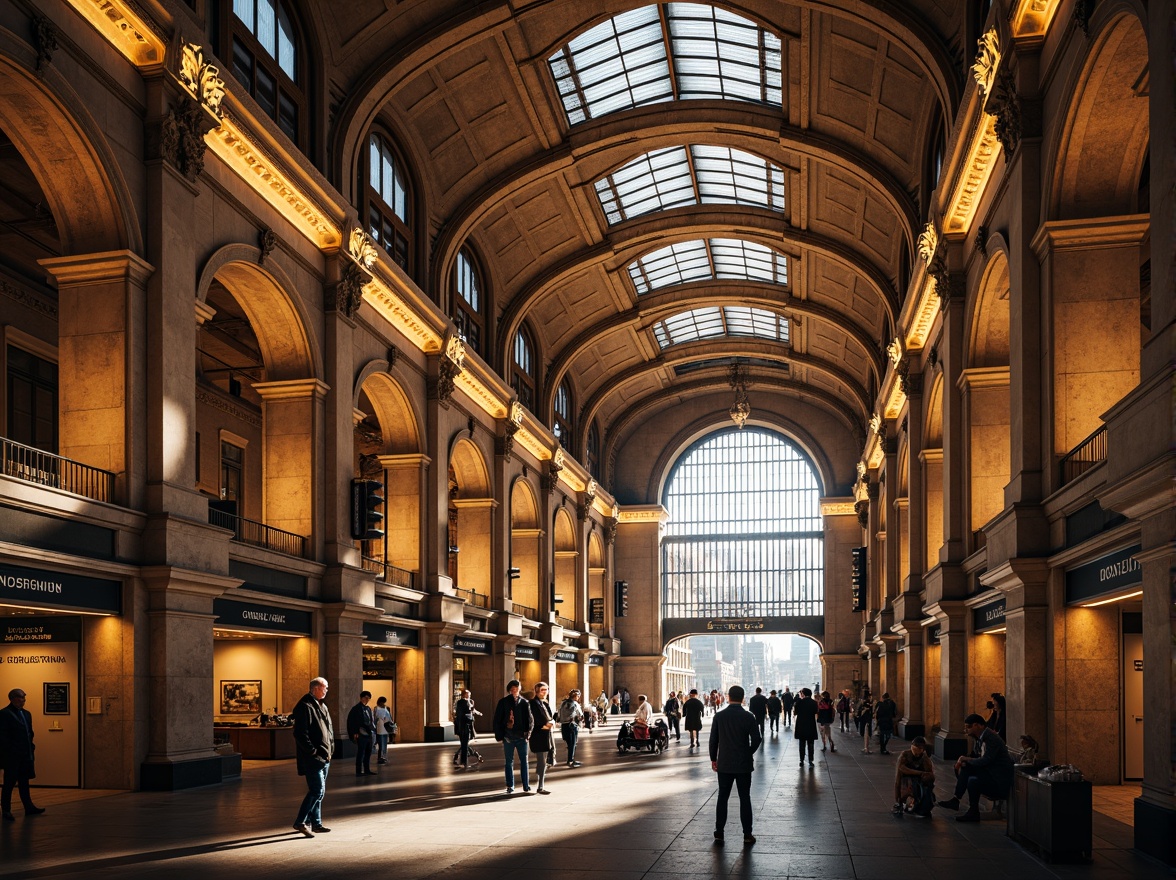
(988, 771)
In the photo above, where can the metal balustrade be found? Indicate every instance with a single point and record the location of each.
(389, 574)
(1090, 452)
(566, 623)
(470, 597)
(46, 469)
(258, 534)
(526, 611)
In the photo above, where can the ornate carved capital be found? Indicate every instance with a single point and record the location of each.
(45, 39)
(549, 482)
(267, 240)
(928, 243)
(872, 487)
(359, 245)
(201, 79)
(987, 60)
(348, 292)
(447, 373)
(894, 350)
(862, 509)
(590, 491)
(876, 423)
(912, 383)
(1005, 105)
(181, 137)
(504, 445)
(889, 445)
(982, 240)
(610, 530)
(392, 356)
(582, 510)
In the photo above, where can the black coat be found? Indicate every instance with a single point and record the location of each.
(314, 737)
(804, 719)
(360, 721)
(541, 739)
(734, 737)
(758, 705)
(16, 743)
(522, 719)
(693, 710)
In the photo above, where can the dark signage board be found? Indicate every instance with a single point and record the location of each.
(379, 664)
(269, 580)
(675, 627)
(596, 660)
(56, 698)
(935, 632)
(37, 630)
(1108, 574)
(252, 616)
(526, 652)
(466, 645)
(989, 616)
(596, 611)
(394, 636)
(566, 657)
(54, 589)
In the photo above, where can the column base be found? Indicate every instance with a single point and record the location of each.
(166, 775)
(439, 733)
(1155, 831)
(909, 729)
(949, 746)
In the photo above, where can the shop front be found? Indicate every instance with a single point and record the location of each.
(474, 668)
(391, 655)
(569, 673)
(986, 653)
(528, 667)
(261, 664)
(596, 683)
(55, 628)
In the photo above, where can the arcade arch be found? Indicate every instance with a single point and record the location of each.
(567, 603)
(471, 509)
(526, 542)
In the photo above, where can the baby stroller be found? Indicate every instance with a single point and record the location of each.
(656, 740)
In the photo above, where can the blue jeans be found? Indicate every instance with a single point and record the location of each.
(311, 811)
(509, 747)
(570, 733)
(382, 746)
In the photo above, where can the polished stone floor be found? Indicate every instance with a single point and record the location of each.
(617, 817)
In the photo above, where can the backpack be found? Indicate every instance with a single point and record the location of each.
(567, 712)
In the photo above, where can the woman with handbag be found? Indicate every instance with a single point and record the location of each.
(542, 741)
(383, 721)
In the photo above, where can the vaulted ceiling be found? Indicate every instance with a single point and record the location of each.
(654, 190)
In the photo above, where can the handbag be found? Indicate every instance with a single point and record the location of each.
(390, 726)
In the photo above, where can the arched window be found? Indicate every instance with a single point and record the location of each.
(261, 38)
(745, 536)
(467, 302)
(592, 450)
(522, 372)
(563, 415)
(389, 200)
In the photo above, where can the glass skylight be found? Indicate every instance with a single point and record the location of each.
(624, 62)
(679, 176)
(713, 322)
(715, 258)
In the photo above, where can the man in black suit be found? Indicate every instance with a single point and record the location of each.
(988, 771)
(734, 737)
(314, 744)
(360, 725)
(758, 705)
(16, 751)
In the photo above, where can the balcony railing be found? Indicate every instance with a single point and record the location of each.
(258, 534)
(47, 469)
(1084, 456)
(472, 598)
(526, 611)
(566, 622)
(389, 574)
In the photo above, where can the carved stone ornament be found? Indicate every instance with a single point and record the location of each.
(201, 79)
(876, 423)
(359, 245)
(510, 426)
(582, 510)
(1006, 107)
(516, 415)
(181, 138)
(590, 492)
(549, 482)
(982, 240)
(928, 243)
(558, 460)
(861, 469)
(610, 530)
(392, 356)
(862, 509)
(912, 383)
(872, 490)
(987, 60)
(446, 378)
(267, 240)
(889, 445)
(894, 350)
(349, 290)
(455, 351)
(45, 39)
(933, 356)
(1082, 12)
(903, 371)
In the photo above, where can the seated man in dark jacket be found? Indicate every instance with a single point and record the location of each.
(987, 771)
(734, 737)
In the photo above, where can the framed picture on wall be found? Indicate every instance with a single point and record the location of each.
(56, 698)
(240, 697)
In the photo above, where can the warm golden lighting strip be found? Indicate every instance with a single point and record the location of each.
(1032, 18)
(534, 444)
(122, 27)
(1112, 599)
(925, 313)
(243, 156)
(973, 177)
(480, 393)
(380, 295)
(895, 400)
(837, 508)
(654, 513)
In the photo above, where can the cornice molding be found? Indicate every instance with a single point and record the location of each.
(126, 28)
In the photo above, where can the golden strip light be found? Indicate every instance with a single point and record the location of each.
(1112, 599)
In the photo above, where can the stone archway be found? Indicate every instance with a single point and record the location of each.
(526, 541)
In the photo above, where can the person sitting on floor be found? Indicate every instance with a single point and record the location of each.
(988, 771)
(914, 780)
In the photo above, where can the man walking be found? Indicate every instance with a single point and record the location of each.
(512, 728)
(314, 744)
(16, 754)
(758, 705)
(360, 724)
(987, 771)
(734, 738)
(788, 699)
(884, 714)
(775, 707)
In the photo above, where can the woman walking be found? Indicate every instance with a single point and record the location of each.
(542, 741)
(864, 715)
(383, 720)
(825, 714)
(693, 709)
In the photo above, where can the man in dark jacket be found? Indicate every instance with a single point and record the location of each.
(775, 707)
(16, 754)
(884, 714)
(987, 771)
(758, 705)
(734, 737)
(512, 728)
(361, 724)
(314, 744)
(787, 699)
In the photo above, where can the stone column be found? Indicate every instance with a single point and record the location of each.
(637, 559)
(178, 713)
(446, 619)
(292, 415)
(102, 414)
(405, 481)
(951, 742)
(342, 664)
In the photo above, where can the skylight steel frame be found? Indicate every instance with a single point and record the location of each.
(709, 259)
(713, 322)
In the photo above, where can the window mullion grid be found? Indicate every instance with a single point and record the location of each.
(667, 42)
(694, 175)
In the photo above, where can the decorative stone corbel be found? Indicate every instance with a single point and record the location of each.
(510, 427)
(392, 356)
(267, 240)
(1005, 105)
(862, 509)
(449, 368)
(554, 466)
(610, 530)
(361, 249)
(201, 79)
(45, 39)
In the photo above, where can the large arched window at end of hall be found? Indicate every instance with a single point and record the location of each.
(563, 415)
(745, 536)
(389, 200)
(467, 302)
(522, 369)
(262, 39)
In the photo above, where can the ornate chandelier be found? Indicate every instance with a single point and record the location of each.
(740, 409)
